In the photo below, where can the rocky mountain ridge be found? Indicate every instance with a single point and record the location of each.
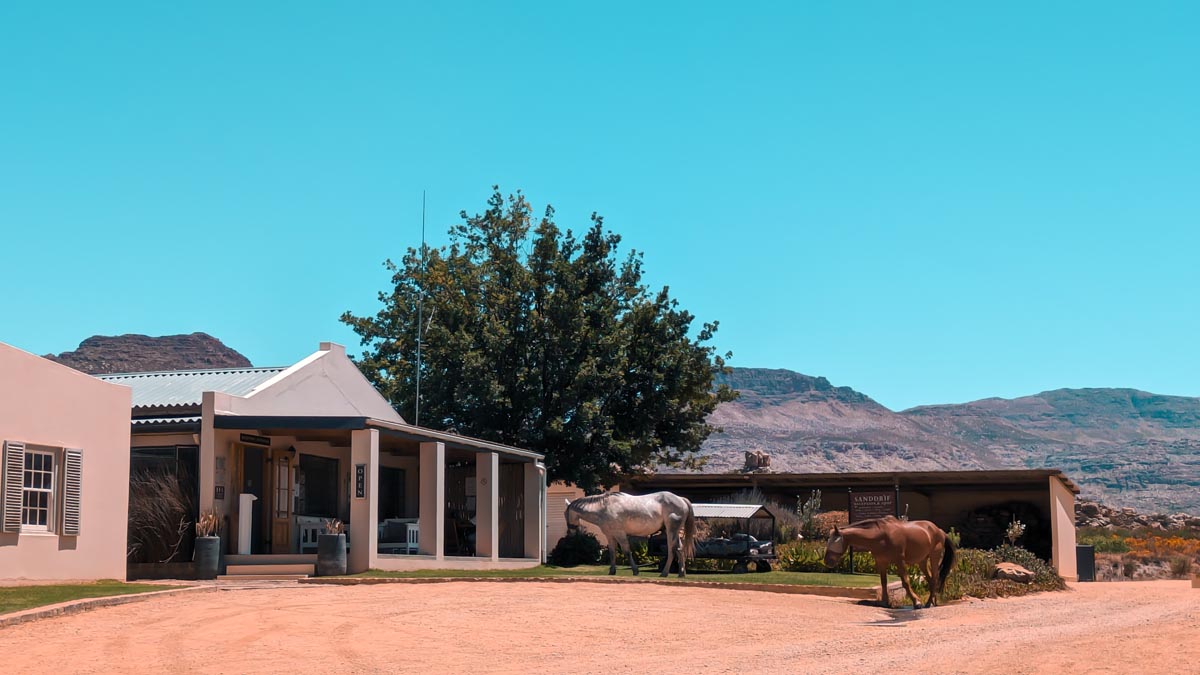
(102, 354)
(1123, 446)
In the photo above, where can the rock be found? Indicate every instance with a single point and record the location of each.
(757, 460)
(101, 354)
(1012, 572)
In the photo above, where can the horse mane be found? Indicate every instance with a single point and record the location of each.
(589, 503)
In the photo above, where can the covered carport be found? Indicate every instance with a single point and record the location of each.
(977, 504)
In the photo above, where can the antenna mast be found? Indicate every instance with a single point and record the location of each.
(420, 313)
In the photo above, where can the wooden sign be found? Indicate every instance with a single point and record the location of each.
(864, 505)
(251, 439)
(360, 481)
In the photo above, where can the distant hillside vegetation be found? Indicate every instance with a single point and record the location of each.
(1123, 446)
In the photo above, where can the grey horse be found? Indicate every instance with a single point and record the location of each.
(620, 516)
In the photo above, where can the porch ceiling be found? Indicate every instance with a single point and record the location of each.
(393, 436)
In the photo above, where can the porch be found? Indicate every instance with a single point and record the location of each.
(410, 498)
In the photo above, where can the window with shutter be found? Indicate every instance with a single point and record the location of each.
(72, 490)
(12, 484)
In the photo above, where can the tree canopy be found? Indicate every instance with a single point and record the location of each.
(538, 338)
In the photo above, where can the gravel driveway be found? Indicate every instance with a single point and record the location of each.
(591, 628)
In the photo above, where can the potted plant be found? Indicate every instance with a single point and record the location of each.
(207, 556)
(331, 549)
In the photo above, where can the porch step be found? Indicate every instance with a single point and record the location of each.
(293, 569)
(271, 559)
(261, 577)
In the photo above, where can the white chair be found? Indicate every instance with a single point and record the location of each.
(309, 528)
(413, 531)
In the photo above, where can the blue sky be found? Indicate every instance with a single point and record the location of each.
(929, 202)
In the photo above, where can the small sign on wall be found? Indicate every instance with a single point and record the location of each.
(219, 492)
(864, 505)
(360, 481)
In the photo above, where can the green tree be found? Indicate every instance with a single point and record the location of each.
(536, 338)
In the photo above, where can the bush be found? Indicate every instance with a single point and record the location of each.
(955, 538)
(577, 548)
(1045, 577)
(1105, 543)
(972, 575)
(160, 517)
(809, 556)
(1181, 566)
(641, 552)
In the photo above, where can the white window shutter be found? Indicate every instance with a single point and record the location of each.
(72, 490)
(12, 483)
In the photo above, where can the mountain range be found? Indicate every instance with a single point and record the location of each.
(1123, 447)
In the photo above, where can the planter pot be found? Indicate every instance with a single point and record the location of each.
(207, 557)
(331, 555)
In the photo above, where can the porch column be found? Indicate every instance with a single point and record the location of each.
(364, 511)
(432, 517)
(535, 512)
(208, 452)
(487, 505)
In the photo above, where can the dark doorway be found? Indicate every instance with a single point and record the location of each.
(512, 511)
(391, 493)
(252, 483)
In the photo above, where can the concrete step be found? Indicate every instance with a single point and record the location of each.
(261, 577)
(271, 558)
(290, 569)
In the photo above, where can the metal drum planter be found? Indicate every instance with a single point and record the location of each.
(331, 555)
(208, 557)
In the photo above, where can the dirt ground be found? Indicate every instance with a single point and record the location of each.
(1151, 626)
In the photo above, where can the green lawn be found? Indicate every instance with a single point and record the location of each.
(16, 598)
(774, 577)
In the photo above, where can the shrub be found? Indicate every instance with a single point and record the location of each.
(806, 510)
(1045, 577)
(809, 556)
(1181, 566)
(1105, 543)
(577, 548)
(1016, 529)
(955, 538)
(1129, 568)
(160, 517)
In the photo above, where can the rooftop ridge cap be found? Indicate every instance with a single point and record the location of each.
(207, 371)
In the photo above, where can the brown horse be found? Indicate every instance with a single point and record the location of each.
(901, 543)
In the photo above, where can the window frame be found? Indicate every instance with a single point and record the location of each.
(52, 506)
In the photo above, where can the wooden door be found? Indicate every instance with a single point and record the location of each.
(281, 501)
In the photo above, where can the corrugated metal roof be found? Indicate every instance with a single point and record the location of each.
(146, 421)
(730, 511)
(185, 387)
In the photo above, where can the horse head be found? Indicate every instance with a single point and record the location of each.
(572, 517)
(835, 548)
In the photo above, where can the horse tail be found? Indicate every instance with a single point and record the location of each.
(689, 534)
(948, 557)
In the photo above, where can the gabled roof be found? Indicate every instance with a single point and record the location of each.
(186, 387)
